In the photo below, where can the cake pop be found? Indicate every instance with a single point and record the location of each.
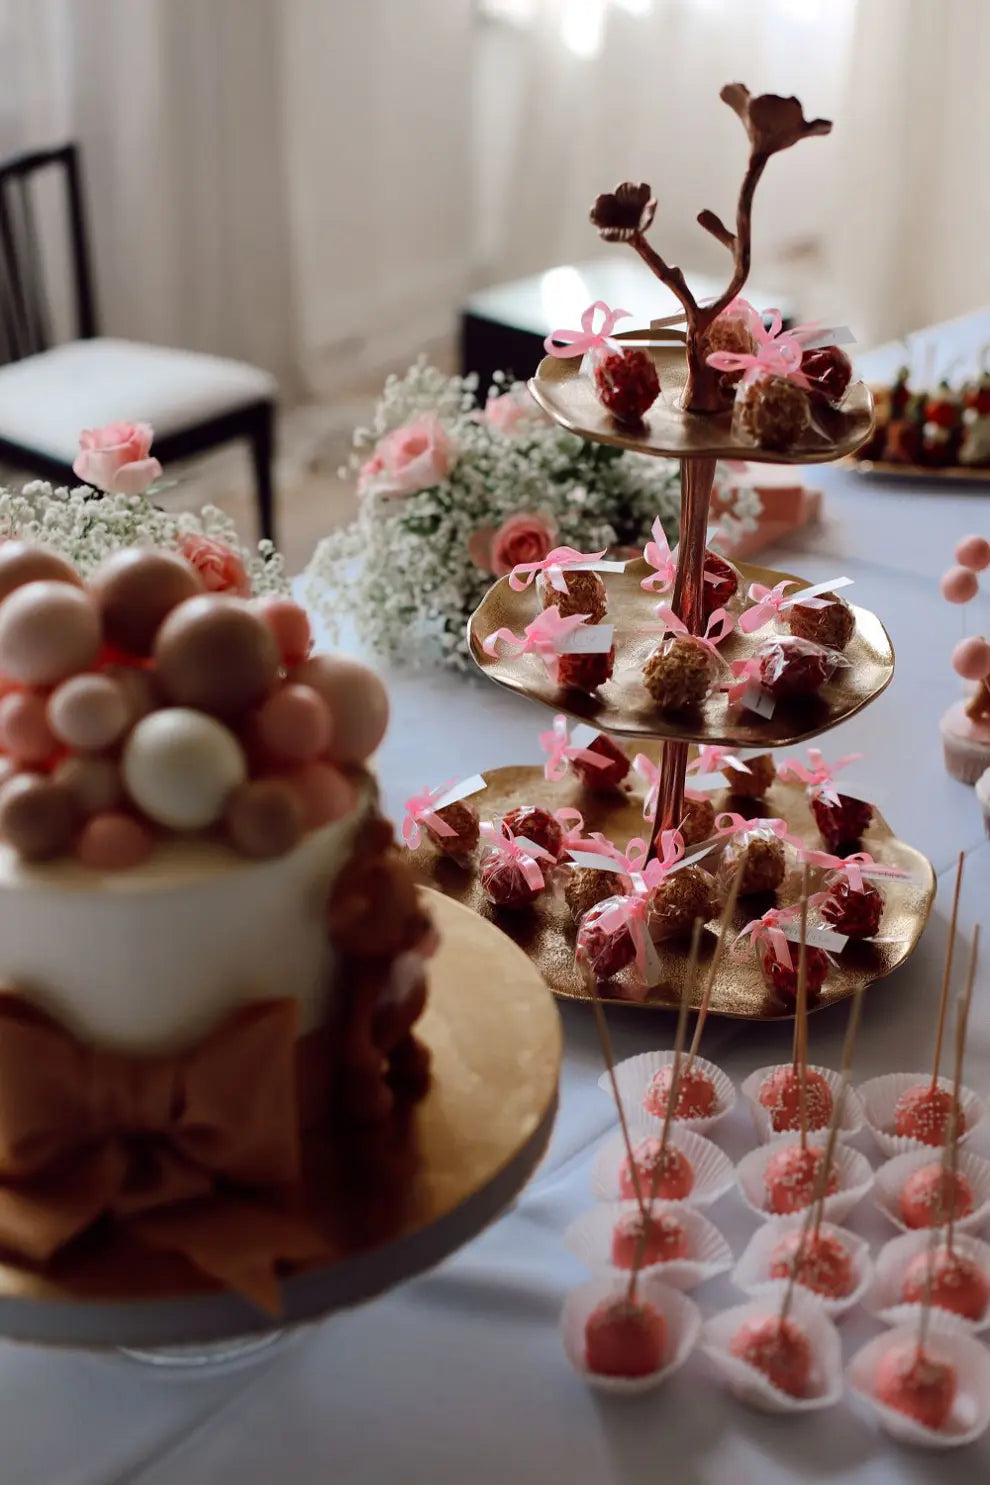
(924, 1112)
(932, 1195)
(912, 1381)
(666, 1174)
(696, 1095)
(965, 727)
(954, 1282)
(779, 1349)
(681, 899)
(780, 1094)
(855, 912)
(819, 1261)
(625, 1338)
(791, 1176)
(656, 1238)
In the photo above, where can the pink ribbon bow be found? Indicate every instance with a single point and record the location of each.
(778, 352)
(769, 930)
(820, 776)
(853, 866)
(563, 343)
(712, 759)
(658, 554)
(745, 675)
(547, 636)
(420, 810)
(553, 564)
(770, 601)
(650, 774)
(571, 823)
(522, 853)
(720, 624)
(632, 912)
(560, 751)
(729, 824)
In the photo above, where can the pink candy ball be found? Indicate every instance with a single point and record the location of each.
(114, 842)
(294, 724)
(324, 793)
(290, 625)
(959, 585)
(24, 729)
(48, 630)
(971, 658)
(974, 552)
(94, 783)
(88, 712)
(357, 700)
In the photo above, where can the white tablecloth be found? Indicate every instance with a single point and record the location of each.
(459, 1377)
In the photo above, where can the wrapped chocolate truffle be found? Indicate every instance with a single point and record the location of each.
(842, 820)
(684, 897)
(753, 781)
(627, 383)
(771, 411)
(829, 621)
(586, 886)
(720, 585)
(461, 818)
(585, 672)
(755, 852)
(447, 817)
(828, 371)
(790, 667)
(585, 594)
(611, 776)
(605, 943)
(731, 331)
(535, 823)
(697, 822)
(512, 871)
(681, 673)
(854, 911)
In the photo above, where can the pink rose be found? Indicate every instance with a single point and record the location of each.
(506, 413)
(220, 568)
(521, 538)
(116, 458)
(409, 459)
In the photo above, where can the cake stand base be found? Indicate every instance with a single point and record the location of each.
(205, 1360)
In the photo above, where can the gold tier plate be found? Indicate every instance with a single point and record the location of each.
(547, 934)
(391, 1203)
(667, 430)
(623, 705)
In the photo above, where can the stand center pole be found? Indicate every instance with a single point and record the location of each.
(697, 479)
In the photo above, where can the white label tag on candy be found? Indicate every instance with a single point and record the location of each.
(582, 736)
(598, 863)
(591, 639)
(816, 590)
(818, 938)
(463, 790)
(756, 700)
(602, 566)
(836, 335)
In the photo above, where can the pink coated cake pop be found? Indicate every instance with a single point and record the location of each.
(665, 1239)
(667, 1175)
(923, 1113)
(959, 585)
(965, 727)
(911, 1381)
(696, 1096)
(625, 1338)
(819, 1260)
(791, 1177)
(931, 1195)
(780, 1095)
(779, 1349)
(974, 552)
(971, 658)
(958, 1283)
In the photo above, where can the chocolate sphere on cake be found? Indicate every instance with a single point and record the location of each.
(680, 900)
(625, 1338)
(819, 1261)
(932, 1195)
(832, 624)
(663, 1174)
(924, 1113)
(638, 1241)
(956, 1283)
(850, 911)
(607, 778)
(216, 654)
(680, 673)
(585, 672)
(911, 1381)
(538, 825)
(781, 1095)
(28, 562)
(779, 1349)
(696, 1095)
(762, 772)
(585, 595)
(586, 886)
(136, 590)
(772, 411)
(792, 1175)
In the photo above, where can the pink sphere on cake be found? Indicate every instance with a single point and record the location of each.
(931, 1195)
(779, 1349)
(636, 1242)
(957, 1283)
(923, 1113)
(959, 585)
(911, 1381)
(791, 1176)
(625, 1338)
(974, 552)
(668, 1175)
(971, 658)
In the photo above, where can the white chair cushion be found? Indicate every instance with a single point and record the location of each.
(46, 400)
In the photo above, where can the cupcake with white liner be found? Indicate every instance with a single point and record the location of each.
(704, 1085)
(853, 1173)
(755, 1273)
(880, 1098)
(946, 1346)
(775, 1107)
(606, 1240)
(892, 1177)
(815, 1339)
(672, 1325)
(710, 1170)
(900, 1280)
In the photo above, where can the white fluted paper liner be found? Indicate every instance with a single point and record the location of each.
(712, 1168)
(852, 1110)
(970, 1414)
(751, 1273)
(636, 1073)
(590, 1239)
(855, 1179)
(879, 1098)
(883, 1298)
(890, 1180)
(748, 1384)
(682, 1316)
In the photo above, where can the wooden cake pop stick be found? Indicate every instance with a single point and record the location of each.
(947, 971)
(801, 1029)
(605, 1042)
(952, 1134)
(728, 910)
(672, 1097)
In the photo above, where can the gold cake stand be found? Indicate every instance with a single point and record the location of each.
(391, 1204)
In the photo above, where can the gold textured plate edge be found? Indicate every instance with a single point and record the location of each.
(620, 815)
(746, 731)
(667, 431)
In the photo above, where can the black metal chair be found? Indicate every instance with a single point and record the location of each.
(49, 392)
